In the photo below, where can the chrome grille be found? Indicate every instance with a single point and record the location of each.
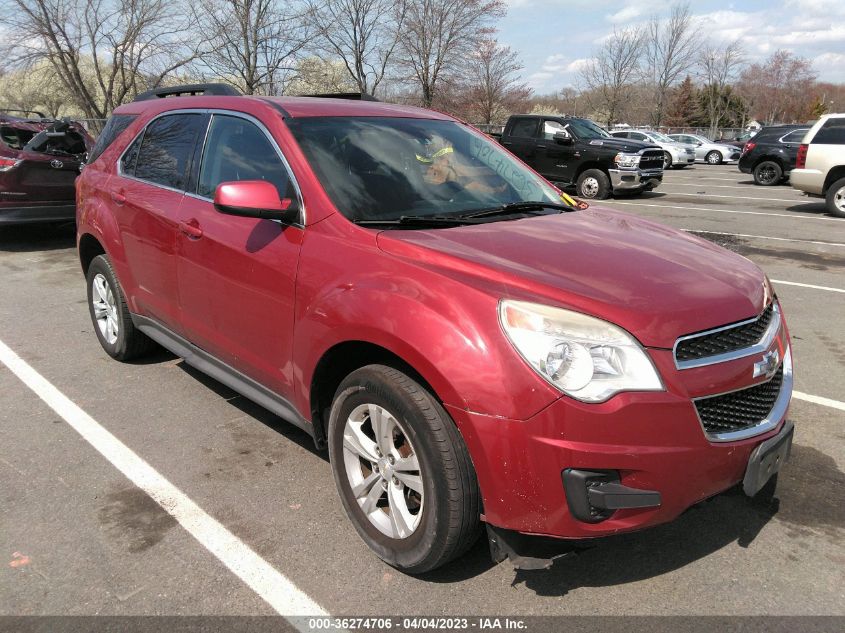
(724, 340)
(741, 409)
(651, 159)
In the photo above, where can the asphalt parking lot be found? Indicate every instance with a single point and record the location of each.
(80, 538)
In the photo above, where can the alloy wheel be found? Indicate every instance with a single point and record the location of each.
(105, 308)
(383, 470)
(839, 199)
(590, 187)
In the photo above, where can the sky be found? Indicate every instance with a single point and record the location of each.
(555, 37)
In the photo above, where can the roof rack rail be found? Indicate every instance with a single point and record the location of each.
(40, 115)
(351, 96)
(217, 90)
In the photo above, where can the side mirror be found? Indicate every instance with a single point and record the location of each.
(255, 199)
(563, 138)
(699, 144)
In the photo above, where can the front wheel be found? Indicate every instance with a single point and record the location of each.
(667, 160)
(767, 173)
(835, 198)
(593, 184)
(713, 158)
(402, 470)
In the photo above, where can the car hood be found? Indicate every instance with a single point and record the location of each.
(620, 144)
(656, 282)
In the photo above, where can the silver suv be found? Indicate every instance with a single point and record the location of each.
(820, 166)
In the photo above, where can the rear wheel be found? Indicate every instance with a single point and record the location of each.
(713, 157)
(767, 173)
(110, 315)
(836, 198)
(593, 184)
(402, 470)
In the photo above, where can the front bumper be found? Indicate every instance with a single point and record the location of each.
(634, 179)
(650, 442)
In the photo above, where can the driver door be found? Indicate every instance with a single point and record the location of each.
(555, 160)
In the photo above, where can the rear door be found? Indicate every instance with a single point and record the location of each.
(791, 142)
(520, 137)
(145, 196)
(237, 275)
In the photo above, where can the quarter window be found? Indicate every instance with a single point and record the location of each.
(167, 148)
(832, 132)
(238, 150)
(796, 136)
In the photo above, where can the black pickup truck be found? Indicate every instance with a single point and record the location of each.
(572, 151)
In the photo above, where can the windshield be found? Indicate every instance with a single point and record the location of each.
(380, 168)
(661, 137)
(585, 129)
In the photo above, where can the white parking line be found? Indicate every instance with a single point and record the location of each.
(765, 237)
(276, 589)
(825, 402)
(777, 215)
(675, 183)
(795, 283)
(713, 195)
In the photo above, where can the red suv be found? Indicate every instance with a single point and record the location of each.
(469, 347)
(39, 161)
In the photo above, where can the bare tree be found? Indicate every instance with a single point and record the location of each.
(779, 89)
(255, 43)
(440, 35)
(103, 51)
(362, 33)
(491, 89)
(718, 66)
(671, 49)
(609, 75)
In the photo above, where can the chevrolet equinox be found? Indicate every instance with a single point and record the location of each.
(472, 348)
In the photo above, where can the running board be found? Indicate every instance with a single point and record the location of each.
(221, 372)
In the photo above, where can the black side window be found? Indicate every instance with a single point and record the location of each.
(795, 136)
(524, 128)
(238, 150)
(832, 132)
(115, 126)
(130, 157)
(167, 148)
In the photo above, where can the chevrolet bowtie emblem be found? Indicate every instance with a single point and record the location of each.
(768, 366)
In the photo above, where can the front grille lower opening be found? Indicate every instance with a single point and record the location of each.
(741, 409)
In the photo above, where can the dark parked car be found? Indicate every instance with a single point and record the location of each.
(573, 151)
(39, 161)
(771, 154)
(468, 348)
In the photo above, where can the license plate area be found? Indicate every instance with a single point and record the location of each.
(767, 459)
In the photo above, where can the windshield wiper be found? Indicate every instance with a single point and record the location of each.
(419, 220)
(515, 207)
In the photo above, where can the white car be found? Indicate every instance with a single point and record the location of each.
(675, 154)
(708, 151)
(820, 166)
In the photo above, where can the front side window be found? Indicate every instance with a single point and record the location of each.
(238, 150)
(381, 168)
(550, 128)
(167, 148)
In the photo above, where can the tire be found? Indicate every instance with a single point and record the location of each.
(713, 157)
(110, 315)
(835, 198)
(667, 160)
(414, 530)
(593, 184)
(767, 173)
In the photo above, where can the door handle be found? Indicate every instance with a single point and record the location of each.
(191, 228)
(118, 198)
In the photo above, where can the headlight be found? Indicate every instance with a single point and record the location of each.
(586, 358)
(626, 160)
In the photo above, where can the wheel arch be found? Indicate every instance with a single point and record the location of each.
(89, 247)
(834, 174)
